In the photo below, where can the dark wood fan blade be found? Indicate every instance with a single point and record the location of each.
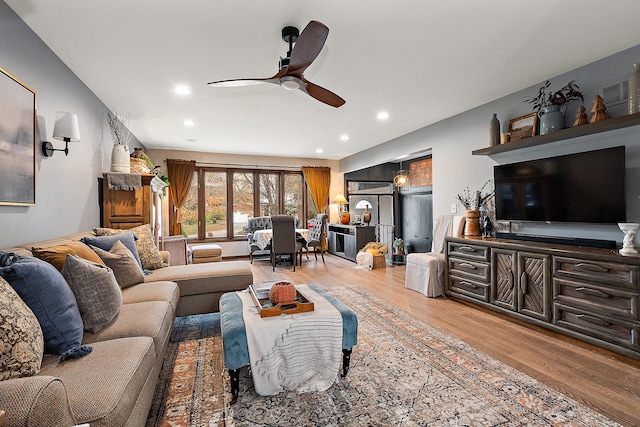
(247, 82)
(321, 94)
(307, 48)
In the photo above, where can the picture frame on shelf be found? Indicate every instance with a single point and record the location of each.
(17, 142)
(523, 127)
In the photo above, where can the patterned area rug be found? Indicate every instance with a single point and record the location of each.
(404, 372)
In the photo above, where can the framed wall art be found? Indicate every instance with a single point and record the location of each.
(420, 173)
(17, 142)
(523, 127)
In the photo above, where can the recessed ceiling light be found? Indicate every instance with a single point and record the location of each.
(318, 150)
(188, 123)
(382, 115)
(404, 156)
(183, 90)
(344, 137)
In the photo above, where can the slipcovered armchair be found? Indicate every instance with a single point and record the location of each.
(317, 236)
(257, 223)
(425, 271)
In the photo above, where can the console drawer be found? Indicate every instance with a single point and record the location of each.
(469, 287)
(596, 272)
(474, 270)
(618, 331)
(468, 251)
(598, 299)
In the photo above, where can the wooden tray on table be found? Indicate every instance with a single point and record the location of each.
(266, 308)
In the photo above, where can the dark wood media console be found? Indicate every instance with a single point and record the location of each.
(591, 294)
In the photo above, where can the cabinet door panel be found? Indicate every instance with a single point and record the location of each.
(504, 278)
(533, 285)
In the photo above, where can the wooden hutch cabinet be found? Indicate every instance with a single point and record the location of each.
(127, 209)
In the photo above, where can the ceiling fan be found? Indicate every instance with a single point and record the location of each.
(291, 75)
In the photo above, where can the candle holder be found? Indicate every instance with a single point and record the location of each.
(629, 230)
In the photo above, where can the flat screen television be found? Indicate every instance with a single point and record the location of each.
(585, 187)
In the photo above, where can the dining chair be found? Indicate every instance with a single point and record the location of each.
(317, 236)
(284, 241)
(253, 224)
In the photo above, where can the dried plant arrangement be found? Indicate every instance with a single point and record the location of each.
(118, 126)
(474, 201)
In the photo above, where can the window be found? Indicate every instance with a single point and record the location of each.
(293, 196)
(189, 210)
(215, 204)
(221, 200)
(269, 194)
(312, 211)
(242, 201)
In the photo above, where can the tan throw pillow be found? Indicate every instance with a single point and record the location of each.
(56, 255)
(96, 290)
(147, 251)
(125, 267)
(21, 338)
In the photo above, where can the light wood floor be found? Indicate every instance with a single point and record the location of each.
(600, 379)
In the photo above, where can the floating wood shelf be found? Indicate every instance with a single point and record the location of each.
(564, 134)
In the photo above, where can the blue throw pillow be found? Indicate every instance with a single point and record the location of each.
(106, 243)
(48, 295)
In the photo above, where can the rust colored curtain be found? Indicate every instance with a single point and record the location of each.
(180, 173)
(318, 180)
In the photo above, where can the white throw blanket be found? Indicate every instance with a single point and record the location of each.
(364, 261)
(299, 352)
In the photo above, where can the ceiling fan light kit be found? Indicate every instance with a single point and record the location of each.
(290, 82)
(304, 48)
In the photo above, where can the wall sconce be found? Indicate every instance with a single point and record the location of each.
(401, 179)
(345, 216)
(65, 129)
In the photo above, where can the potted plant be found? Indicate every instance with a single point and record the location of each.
(550, 106)
(398, 245)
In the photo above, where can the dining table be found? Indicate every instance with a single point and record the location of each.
(263, 237)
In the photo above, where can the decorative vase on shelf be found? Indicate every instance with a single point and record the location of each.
(551, 118)
(629, 230)
(634, 90)
(472, 223)
(494, 131)
(366, 215)
(120, 159)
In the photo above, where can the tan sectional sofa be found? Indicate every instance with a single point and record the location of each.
(115, 383)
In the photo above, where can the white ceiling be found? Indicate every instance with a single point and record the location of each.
(420, 60)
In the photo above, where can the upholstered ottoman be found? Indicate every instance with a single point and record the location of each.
(208, 252)
(234, 335)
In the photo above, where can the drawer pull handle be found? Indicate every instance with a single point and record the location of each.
(593, 292)
(593, 319)
(466, 249)
(510, 278)
(472, 285)
(524, 283)
(468, 266)
(592, 267)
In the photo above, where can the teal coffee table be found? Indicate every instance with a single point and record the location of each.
(234, 335)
